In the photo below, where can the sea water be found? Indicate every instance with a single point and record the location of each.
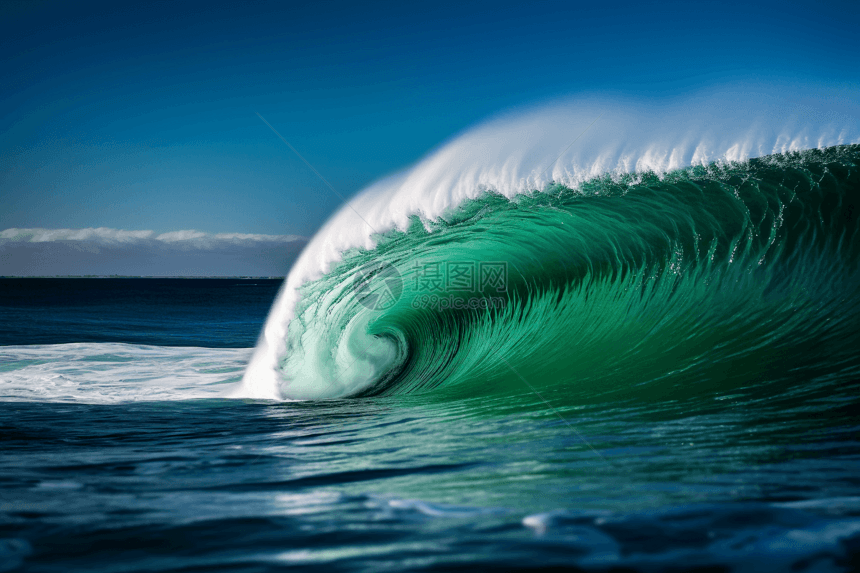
(630, 360)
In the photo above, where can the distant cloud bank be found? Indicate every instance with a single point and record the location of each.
(105, 251)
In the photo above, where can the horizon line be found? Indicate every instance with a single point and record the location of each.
(139, 277)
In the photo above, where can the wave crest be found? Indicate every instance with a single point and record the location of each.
(632, 213)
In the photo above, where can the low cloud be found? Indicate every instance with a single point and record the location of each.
(102, 234)
(105, 251)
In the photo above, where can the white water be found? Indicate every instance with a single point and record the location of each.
(568, 142)
(105, 373)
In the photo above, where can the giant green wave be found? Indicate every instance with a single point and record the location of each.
(711, 281)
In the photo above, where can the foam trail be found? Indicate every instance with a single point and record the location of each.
(108, 373)
(523, 152)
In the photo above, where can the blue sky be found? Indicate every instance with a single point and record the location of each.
(142, 117)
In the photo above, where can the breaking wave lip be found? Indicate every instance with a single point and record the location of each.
(558, 144)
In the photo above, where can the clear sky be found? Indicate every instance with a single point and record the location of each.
(142, 116)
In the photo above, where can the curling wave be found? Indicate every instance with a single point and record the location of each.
(655, 256)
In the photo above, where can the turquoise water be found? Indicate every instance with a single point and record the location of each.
(737, 282)
(663, 376)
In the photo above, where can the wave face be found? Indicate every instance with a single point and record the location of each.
(664, 262)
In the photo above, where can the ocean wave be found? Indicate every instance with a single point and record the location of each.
(713, 276)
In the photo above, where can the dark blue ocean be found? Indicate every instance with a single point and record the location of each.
(212, 313)
(122, 451)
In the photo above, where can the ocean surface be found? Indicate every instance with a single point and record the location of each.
(643, 371)
(108, 465)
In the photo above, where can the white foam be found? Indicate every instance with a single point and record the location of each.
(113, 373)
(526, 151)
